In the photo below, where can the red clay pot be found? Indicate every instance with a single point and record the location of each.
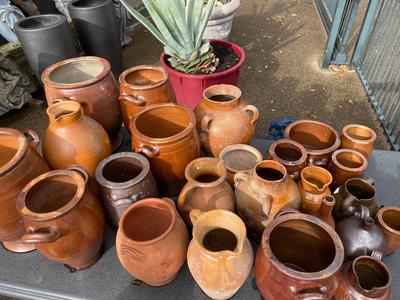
(189, 88)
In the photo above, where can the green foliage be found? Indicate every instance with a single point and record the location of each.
(179, 25)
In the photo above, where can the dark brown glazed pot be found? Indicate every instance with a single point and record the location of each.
(319, 139)
(290, 154)
(299, 257)
(358, 137)
(360, 235)
(239, 158)
(365, 278)
(353, 193)
(166, 134)
(124, 178)
(142, 86)
(388, 220)
(88, 80)
(346, 164)
(325, 210)
(224, 119)
(62, 217)
(152, 241)
(19, 163)
(206, 189)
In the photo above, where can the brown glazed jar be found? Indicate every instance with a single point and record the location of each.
(388, 220)
(290, 154)
(19, 163)
(124, 178)
(219, 256)
(73, 138)
(353, 193)
(89, 81)
(206, 189)
(166, 134)
(142, 86)
(224, 119)
(152, 241)
(264, 193)
(313, 186)
(299, 257)
(62, 217)
(346, 164)
(319, 139)
(365, 278)
(239, 158)
(358, 137)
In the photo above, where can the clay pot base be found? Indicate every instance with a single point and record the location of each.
(117, 143)
(18, 247)
(87, 265)
(164, 282)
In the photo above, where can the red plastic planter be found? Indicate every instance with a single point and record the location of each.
(189, 88)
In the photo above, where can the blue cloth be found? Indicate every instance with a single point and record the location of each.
(277, 128)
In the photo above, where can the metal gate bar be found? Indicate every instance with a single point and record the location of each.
(326, 9)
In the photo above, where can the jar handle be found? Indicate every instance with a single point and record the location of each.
(81, 171)
(84, 105)
(317, 293)
(240, 176)
(194, 214)
(139, 101)
(149, 151)
(254, 111)
(376, 254)
(41, 235)
(189, 186)
(33, 137)
(205, 122)
(346, 206)
(370, 180)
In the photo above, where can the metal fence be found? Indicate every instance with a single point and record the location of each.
(326, 9)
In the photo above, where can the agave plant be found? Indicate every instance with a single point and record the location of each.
(179, 26)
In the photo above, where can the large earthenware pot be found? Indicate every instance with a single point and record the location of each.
(360, 235)
(124, 178)
(219, 256)
(264, 193)
(290, 154)
(319, 139)
(142, 86)
(62, 217)
(346, 164)
(313, 186)
(72, 138)
(239, 158)
(365, 278)
(353, 193)
(299, 257)
(206, 189)
(388, 219)
(358, 137)
(152, 241)
(223, 118)
(89, 81)
(325, 210)
(166, 134)
(19, 164)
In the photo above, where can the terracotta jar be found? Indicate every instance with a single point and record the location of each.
(388, 220)
(152, 241)
(206, 189)
(290, 154)
(142, 86)
(299, 257)
(166, 134)
(319, 139)
(346, 164)
(263, 193)
(73, 138)
(124, 178)
(365, 278)
(325, 210)
(224, 119)
(19, 164)
(239, 158)
(360, 235)
(89, 81)
(313, 186)
(358, 137)
(353, 193)
(62, 217)
(220, 257)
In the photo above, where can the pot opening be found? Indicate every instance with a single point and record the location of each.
(392, 219)
(313, 136)
(350, 159)
(206, 177)
(51, 194)
(269, 174)
(88, 3)
(219, 239)
(76, 71)
(8, 149)
(317, 176)
(302, 246)
(145, 77)
(39, 22)
(163, 121)
(288, 152)
(62, 109)
(222, 93)
(239, 159)
(360, 190)
(359, 133)
(122, 169)
(370, 273)
(146, 223)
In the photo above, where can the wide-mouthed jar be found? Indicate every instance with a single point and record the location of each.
(358, 137)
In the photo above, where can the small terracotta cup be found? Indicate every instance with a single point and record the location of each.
(388, 219)
(358, 137)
